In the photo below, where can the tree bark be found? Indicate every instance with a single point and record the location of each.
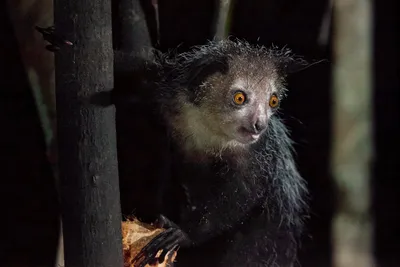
(89, 185)
(131, 29)
(352, 139)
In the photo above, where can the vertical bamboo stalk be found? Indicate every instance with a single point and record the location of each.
(222, 19)
(131, 27)
(352, 145)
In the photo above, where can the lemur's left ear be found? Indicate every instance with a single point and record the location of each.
(199, 70)
(204, 67)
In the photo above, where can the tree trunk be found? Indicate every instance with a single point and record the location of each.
(352, 140)
(89, 185)
(131, 31)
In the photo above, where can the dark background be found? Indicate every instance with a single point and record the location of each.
(28, 199)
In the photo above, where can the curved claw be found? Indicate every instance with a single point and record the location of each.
(167, 241)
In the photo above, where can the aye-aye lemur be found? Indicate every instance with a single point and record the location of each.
(202, 149)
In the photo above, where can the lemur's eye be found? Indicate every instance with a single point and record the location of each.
(273, 101)
(239, 98)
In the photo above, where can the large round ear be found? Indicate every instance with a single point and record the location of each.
(200, 69)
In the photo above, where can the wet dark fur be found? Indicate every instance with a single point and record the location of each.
(248, 214)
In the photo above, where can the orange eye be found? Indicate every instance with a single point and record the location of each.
(273, 101)
(239, 98)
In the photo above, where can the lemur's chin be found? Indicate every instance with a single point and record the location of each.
(246, 137)
(248, 140)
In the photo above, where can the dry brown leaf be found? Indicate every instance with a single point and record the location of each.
(135, 235)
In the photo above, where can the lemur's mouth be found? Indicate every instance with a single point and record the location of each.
(248, 136)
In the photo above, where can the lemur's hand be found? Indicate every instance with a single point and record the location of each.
(168, 241)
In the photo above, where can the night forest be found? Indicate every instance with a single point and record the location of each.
(326, 32)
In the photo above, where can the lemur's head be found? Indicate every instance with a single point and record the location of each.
(231, 91)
